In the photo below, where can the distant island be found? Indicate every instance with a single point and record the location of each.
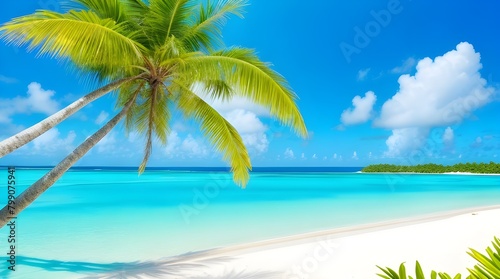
(485, 168)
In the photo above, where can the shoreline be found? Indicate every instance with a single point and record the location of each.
(337, 232)
(438, 241)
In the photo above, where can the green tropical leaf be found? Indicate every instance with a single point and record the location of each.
(402, 271)
(206, 32)
(251, 78)
(418, 271)
(219, 132)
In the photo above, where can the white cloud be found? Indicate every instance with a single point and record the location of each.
(38, 100)
(289, 154)
(335, 156)
(355, 155)
(303, 156)
(448, 136)
(103, 116)
(363, 73)
(315, 156)
(173, 142)
(403, 141)
(187, 147)
(443, 91)
(107, 144)
(51, 141)
(362, 111)
(405, 67)
(193, 147)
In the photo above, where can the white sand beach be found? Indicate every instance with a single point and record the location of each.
(439, 242)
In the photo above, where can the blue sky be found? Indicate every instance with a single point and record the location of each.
(403, 82)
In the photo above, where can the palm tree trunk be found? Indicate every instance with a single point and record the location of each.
(27, 135)
(35, 190)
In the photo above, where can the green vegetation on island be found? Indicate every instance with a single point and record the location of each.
(490, 167)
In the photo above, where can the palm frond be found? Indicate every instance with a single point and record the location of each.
(167, 18)
(125, 92)
(206, 30)
(218, 89)
(171, 49)
(248, 76)
(113, 9)
(223, 136)
(82, 36)
(151, 120)
(488, 264)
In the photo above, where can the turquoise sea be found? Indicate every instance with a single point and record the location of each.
(100, 219)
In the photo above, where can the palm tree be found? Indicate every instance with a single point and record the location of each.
(161, 54)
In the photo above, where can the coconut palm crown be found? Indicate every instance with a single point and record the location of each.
(168, 51)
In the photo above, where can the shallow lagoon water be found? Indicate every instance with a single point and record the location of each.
(93, 220)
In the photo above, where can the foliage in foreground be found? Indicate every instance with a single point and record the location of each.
(488, 267)
(435, 168)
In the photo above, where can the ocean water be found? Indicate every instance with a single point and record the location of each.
(95, 220)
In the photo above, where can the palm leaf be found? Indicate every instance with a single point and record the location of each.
(219, 132)
(489, 265)
(152, 120)
(206, 30)
(167, 18)
(113, 9)
(89, 41)
(249, 77)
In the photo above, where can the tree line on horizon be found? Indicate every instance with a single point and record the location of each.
(474, 167)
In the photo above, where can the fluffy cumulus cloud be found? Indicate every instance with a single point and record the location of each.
(355, 155)
(362, 111)
(52, 141)
(193, 147)
(405, 140)
(443, 91)
(289, 154)
(37, 100)
(187, 147)
(449, 140)
(448, 136)
(40, 100)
